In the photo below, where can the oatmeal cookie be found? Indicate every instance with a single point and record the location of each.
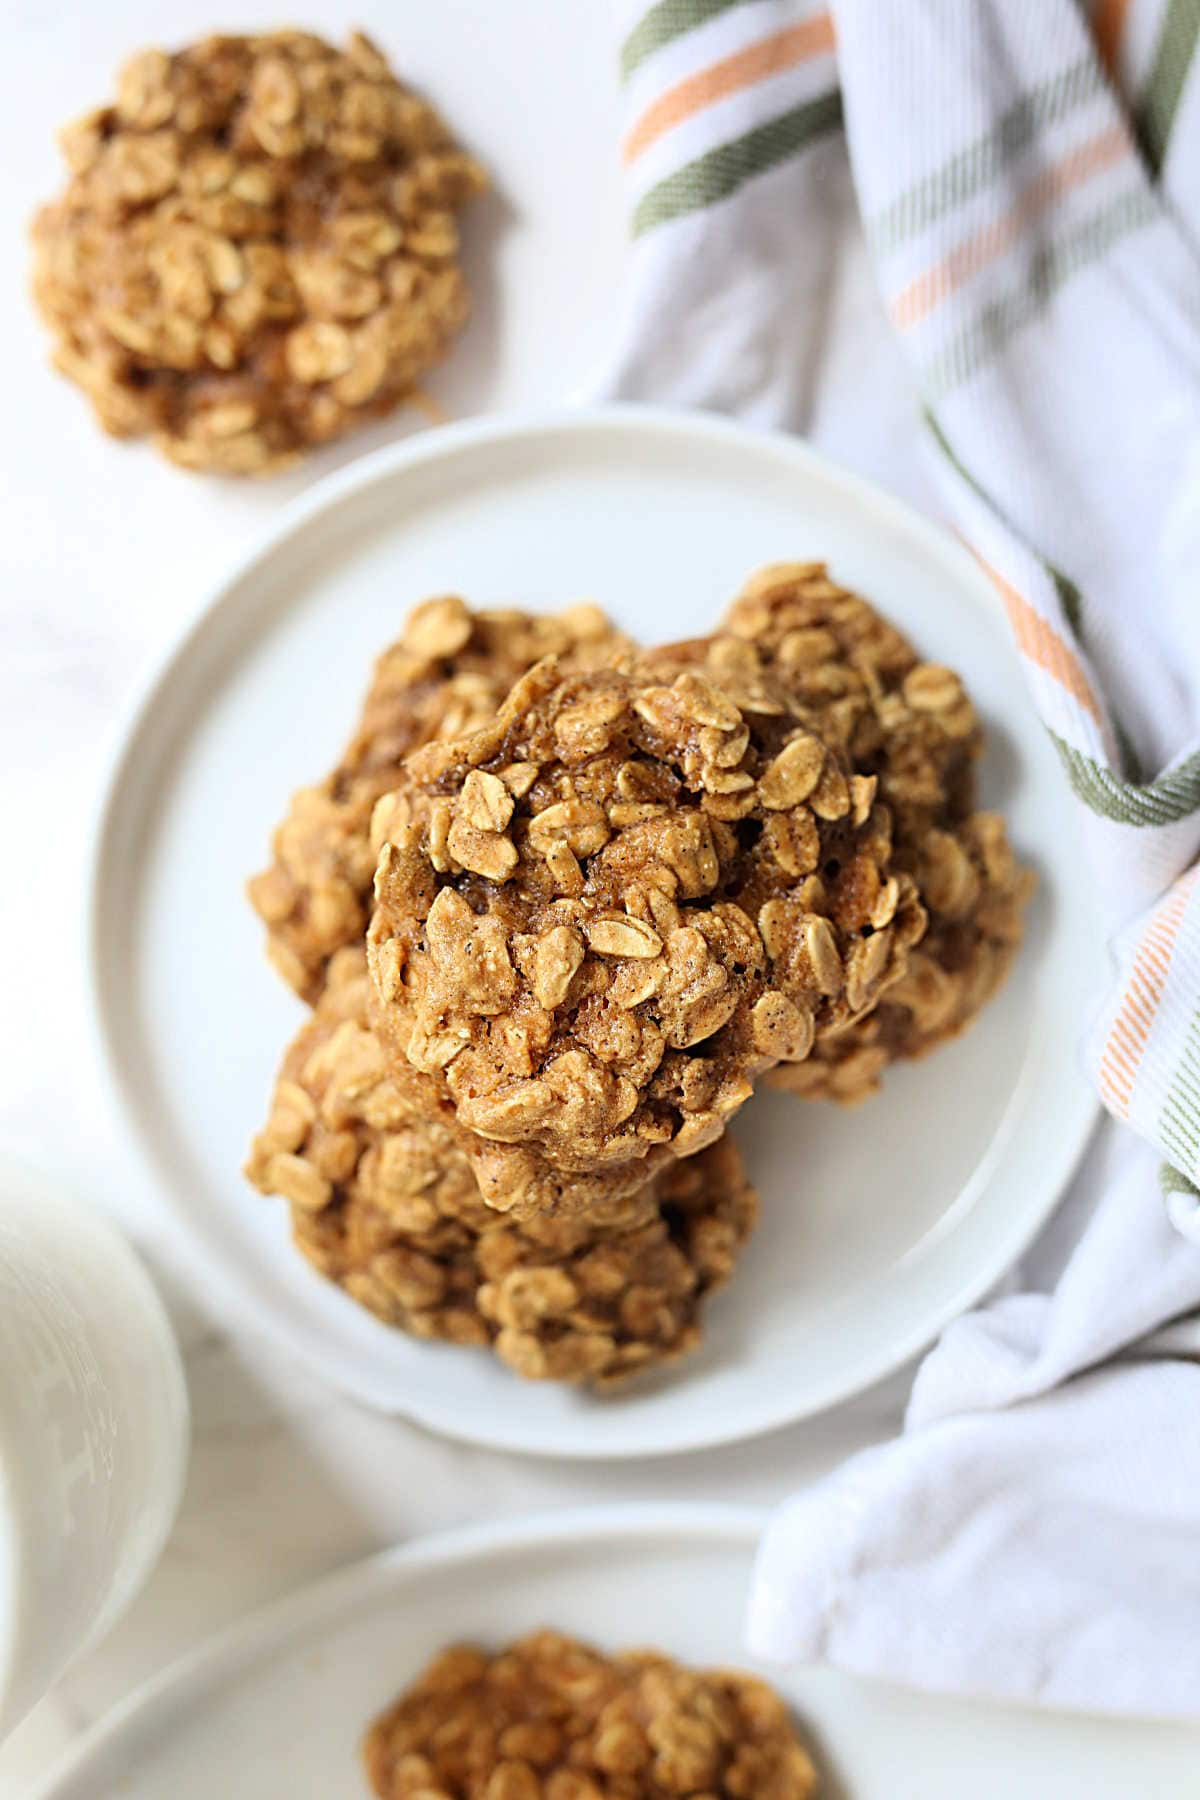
(256, 250)
(976, 893)
(599, 917)
(911, 725)
(549, 1718)
(447, 674)
(861, 687)
(383, 1202)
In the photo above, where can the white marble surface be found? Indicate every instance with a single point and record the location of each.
(106, 552)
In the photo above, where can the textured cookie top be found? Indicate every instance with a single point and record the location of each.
(603, 914)
(256, 250)
(384, 1202)
(975, 892)
(446, 674)
(912, 726)
(551, 1719)
(860, 684)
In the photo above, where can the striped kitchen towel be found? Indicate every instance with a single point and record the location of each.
(1028, 178)
(1024, 176)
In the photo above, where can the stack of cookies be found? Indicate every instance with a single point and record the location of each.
(562, 904)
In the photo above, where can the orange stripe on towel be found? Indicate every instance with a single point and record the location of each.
(926, 293)
(770, 56)
(1135, 1016)
(1039, 641)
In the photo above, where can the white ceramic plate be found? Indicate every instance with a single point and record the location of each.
(878, 1225)
(278, 1705)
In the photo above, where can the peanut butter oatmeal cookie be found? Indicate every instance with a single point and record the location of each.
(976, 893)
(552, 1719)
(447, 674)
(256, 250)
(911, 726)
(861, 686)
(600, 916)
(384, 1202)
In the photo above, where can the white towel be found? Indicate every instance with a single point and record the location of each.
(1028, 179)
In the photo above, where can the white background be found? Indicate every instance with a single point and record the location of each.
(106, 550)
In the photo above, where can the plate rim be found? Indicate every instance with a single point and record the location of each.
(184, 1678)
(173, 1229)
(590, 1527)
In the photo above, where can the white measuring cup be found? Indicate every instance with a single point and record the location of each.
(93, 1432)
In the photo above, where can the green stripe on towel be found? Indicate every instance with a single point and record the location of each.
(1174, 1181)
(1162, 802)
(1167, 79)
(664, 23)
(1179, 1121)
(978, 165)
(1050, 268)
(724, 169)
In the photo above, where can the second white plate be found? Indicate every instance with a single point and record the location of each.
(878, 1225)
(278, 1705)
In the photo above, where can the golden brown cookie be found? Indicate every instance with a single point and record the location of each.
(256, 250)
(599, 917)
(446, 674)
(860, 684)
(975, 892)
(552, 1719)
(911, 726)
(384, 1202)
